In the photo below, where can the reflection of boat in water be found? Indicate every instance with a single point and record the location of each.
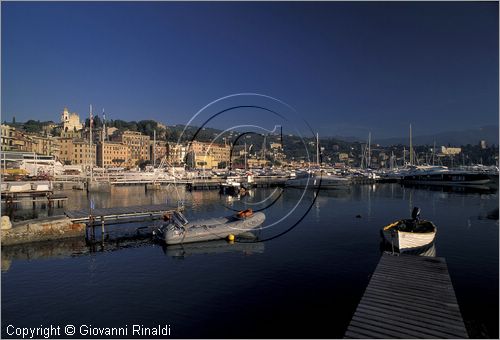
(441, 175)
(213, 247)
(465, 189)
(323, 180)
(409, 234)
(179, 230)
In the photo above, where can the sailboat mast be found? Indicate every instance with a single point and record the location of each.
(411, 149)
(369, 158)
(91, 121)
(317, 148)
(154, 148)
(433, 152)
(245, 156)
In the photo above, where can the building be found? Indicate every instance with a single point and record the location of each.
(343, 156)
(450, 151)
(138, 144)
(218, 154)
(8, 133)
(159, 151)
(48, 128)
(70, 121)
(15, 140)
(45, 145)
(483, 144)
(257, 163)
(113, 154)
(177, 154)
(77, 152)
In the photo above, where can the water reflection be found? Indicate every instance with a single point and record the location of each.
(70, 247)
(181, 251)
(466, 189)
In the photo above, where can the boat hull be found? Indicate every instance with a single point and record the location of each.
(408, 240)
(212, 229)
(447, 178)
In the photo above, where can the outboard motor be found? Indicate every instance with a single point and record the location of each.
(415, 214)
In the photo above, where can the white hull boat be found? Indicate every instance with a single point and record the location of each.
(179, 230)
(410, 234)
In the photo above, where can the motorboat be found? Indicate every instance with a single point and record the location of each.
(178, 229)
(441, 175)
(409, 234)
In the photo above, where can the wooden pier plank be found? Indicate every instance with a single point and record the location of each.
(117, 212)
(408, 297)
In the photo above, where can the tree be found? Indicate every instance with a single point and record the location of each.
(32, 126)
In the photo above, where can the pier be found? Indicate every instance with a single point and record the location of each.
(103, 216)
(408, 297)
(10, 198)
(115, 215)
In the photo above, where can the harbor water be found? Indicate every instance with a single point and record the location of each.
(301, 278)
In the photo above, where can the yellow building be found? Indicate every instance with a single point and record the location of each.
(45, 145)
(257, 163)
(15, 140)
(8, 133)
(218, 154)
(450, 151)
(113, 154)
(77, 151)
(138, 144)
(343, 156)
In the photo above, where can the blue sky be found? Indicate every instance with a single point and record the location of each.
(347, 68)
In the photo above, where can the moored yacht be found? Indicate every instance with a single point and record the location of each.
(441, 175)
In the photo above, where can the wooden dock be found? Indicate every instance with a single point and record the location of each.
(115, 215)
(46, 196)
(103, 216)
(408, 297)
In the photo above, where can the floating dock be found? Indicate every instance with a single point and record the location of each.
(110, 215)
(101, 216)
(408, 297)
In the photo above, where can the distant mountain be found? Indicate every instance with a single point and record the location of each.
(454, 138)
(350, 139)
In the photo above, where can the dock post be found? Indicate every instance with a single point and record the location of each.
(92, 227)
(102, 228)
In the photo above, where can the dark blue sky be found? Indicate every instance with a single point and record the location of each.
(348, 68)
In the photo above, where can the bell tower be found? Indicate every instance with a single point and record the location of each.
(65, 115)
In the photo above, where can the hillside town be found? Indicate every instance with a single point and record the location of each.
(79, 145)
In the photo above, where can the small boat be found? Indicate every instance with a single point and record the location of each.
(178, 230)
(410, 234)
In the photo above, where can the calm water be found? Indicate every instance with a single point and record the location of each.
(305, 283)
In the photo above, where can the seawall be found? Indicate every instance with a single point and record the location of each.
(51, 228)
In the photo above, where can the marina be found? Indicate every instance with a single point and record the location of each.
(250, 170)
